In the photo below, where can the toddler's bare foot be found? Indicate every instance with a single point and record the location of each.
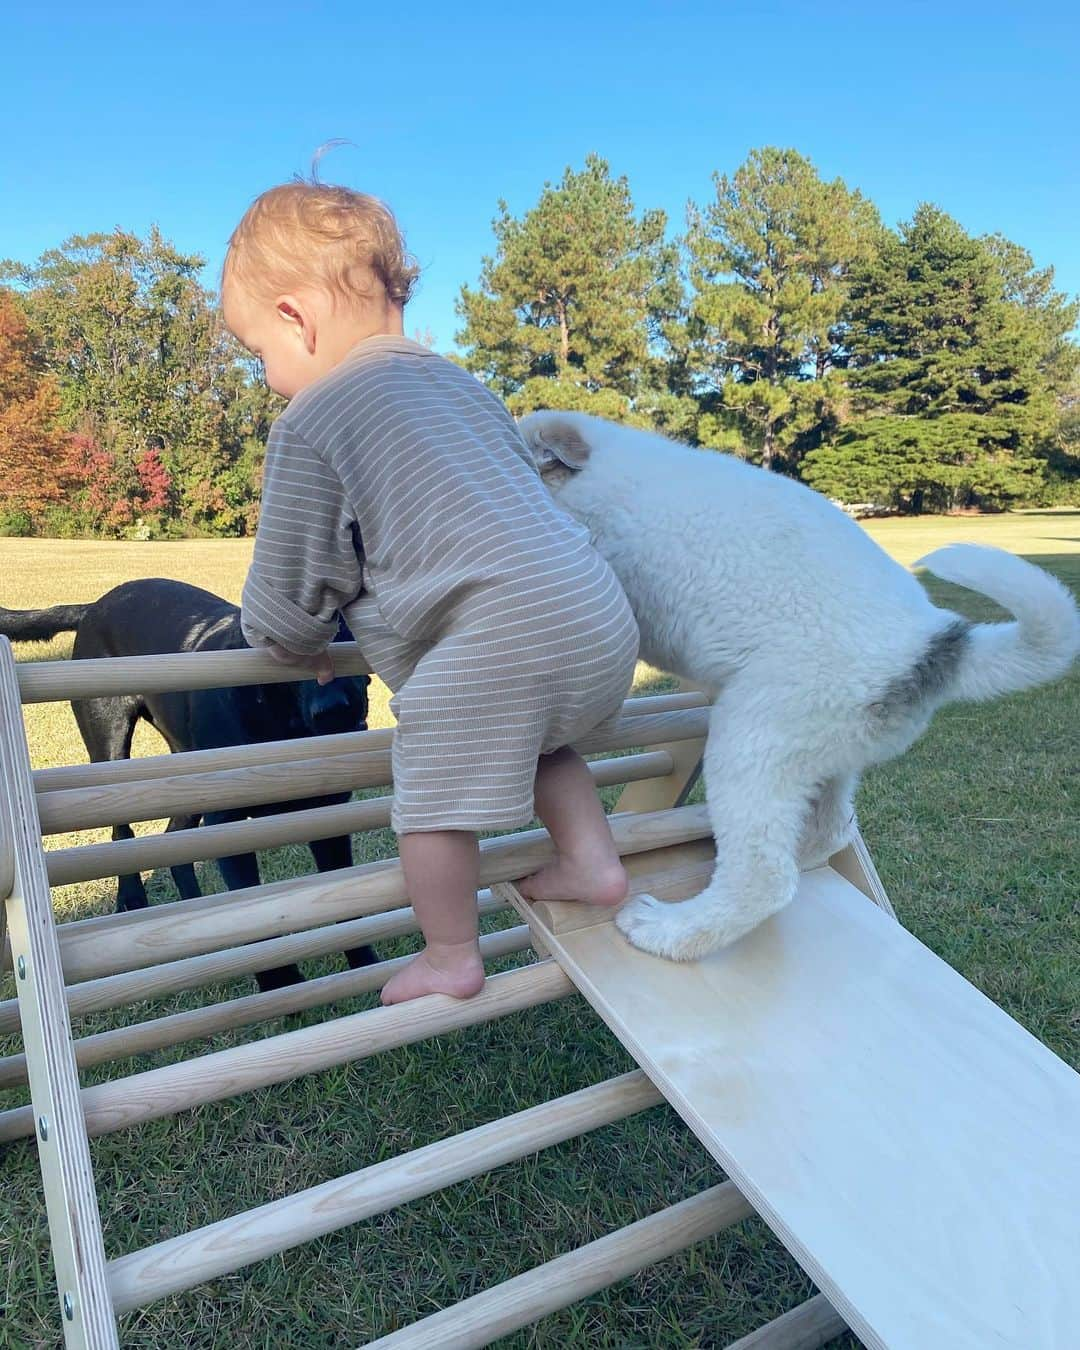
(454, 970)
(599, 883)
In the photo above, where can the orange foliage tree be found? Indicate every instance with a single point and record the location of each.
(34, 448)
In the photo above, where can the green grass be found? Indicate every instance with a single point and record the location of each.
(973, 832)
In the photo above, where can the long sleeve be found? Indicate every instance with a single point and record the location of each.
(306, 565)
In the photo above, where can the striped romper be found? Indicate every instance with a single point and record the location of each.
(398, 491)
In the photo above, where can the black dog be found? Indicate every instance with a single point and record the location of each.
(158, 616)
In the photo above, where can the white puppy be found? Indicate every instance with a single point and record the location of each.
(824, 655)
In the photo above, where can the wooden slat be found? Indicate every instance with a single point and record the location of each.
(274, 752)
(831, 1036)
(90, 808)
(684, 870)
(294, 780)
(806, 1327)
(63, 1150)
(200, 1023)
(496, 1312)
(147, 768)
(195, 972)
(93, 861)
(195, 1257)
(292, 1054)
(211, 922)
(48, 681)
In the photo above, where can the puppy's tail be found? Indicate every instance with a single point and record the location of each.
(36, 625)
(1001, 658)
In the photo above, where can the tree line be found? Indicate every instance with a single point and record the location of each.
(914, 368)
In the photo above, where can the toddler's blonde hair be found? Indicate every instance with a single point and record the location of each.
(303, 232)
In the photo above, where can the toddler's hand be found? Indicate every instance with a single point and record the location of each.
(321, 664)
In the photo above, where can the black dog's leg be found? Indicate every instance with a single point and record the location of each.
(238, 872)
(130, 891)
(330, 854)
(107, 726)
(183, 874)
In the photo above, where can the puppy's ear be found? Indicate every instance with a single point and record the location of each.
(556, 444)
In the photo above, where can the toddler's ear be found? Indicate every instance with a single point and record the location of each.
(299, 317)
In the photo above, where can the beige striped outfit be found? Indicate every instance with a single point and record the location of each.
(398, 491)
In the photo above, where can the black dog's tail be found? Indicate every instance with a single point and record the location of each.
(36, 625)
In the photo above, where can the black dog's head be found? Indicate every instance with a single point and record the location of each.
(311, 709)
(326, 709)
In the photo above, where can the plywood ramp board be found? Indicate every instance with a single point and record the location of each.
(915, 1149)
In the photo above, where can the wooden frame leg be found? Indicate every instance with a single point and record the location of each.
(855, 865)
(660, 794)
(85, 1306)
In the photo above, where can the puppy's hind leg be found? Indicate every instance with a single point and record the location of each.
(758, 800)
(831, 821)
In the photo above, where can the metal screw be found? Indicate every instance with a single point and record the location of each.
(20, 966)
(69, 1307)
(43, 1126)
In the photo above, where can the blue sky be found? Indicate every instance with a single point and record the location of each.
(128, 115)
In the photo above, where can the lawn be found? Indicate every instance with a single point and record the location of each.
(973, 832)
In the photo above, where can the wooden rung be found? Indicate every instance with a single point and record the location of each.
(670, 873)
(146, 768)
(479, 1320)
(89, 808)
(806, 1327)
(196, 972)
(293, 780)
(94, 861)
(49, 681)
(206, 1253)
(274, 752)
(292, 1054)
(212, 922)
(105, 958)
(200, 1023)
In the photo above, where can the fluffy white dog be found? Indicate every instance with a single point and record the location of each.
(824, 656)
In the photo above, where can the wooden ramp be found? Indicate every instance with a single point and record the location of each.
(915, 1149)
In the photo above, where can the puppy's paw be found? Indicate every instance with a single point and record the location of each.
(654, 926)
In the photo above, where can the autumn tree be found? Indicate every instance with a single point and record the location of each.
(34, 447)
(145, 370)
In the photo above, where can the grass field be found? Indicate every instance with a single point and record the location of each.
(973, 832)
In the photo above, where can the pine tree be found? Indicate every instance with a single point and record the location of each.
(949, 402)
(769, 265)
(572, 310)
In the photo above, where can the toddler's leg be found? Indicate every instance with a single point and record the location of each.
(588, 866)
(442, 875)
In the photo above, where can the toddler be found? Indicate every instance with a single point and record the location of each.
(398, 492)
